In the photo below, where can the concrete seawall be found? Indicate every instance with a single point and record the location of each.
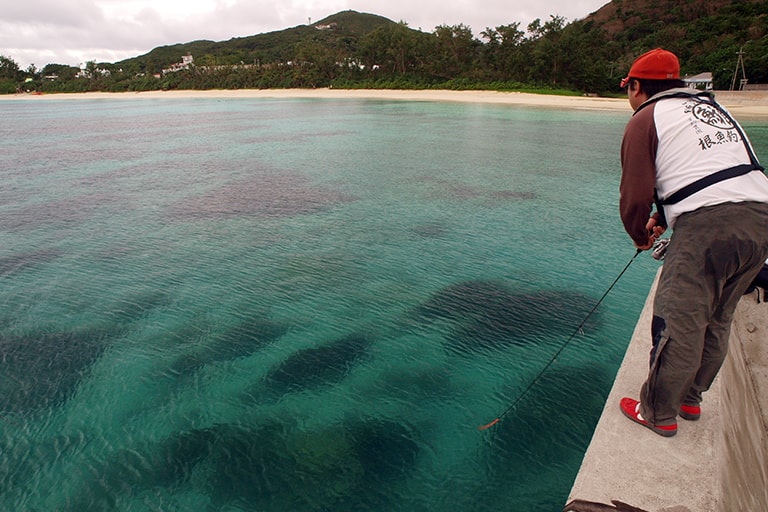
(716, 464)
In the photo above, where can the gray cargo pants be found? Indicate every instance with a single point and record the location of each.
(714, 254)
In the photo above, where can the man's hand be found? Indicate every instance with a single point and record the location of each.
(654, 232)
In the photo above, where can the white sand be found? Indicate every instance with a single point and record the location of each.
(751, 104)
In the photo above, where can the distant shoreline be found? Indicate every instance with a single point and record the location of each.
(743, 104)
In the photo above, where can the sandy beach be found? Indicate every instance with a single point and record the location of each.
(743, 104)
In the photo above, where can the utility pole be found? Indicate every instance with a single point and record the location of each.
(740, 62)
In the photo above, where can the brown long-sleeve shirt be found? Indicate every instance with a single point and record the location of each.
(638, 177)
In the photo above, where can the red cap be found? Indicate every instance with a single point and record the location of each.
(656, 64)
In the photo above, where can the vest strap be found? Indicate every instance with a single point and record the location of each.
(706, 181)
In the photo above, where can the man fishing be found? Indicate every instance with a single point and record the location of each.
(684, 152)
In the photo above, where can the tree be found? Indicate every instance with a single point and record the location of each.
(510, 34)
(395, 49)
(9, 69)
(454, 51)
(32, 71)
(492, 35)
(546, 52)
(60, 70)
(91, 69)
(584, 58)
(316, 62)
(507, 58)
(10, 76)
(535, 29)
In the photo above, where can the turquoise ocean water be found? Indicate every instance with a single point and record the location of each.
(310, 305)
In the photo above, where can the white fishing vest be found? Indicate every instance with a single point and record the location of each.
(703, 157)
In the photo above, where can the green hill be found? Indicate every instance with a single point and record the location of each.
(340, 32)
(359, 50)
(587, 54)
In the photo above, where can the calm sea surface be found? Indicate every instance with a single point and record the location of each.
(306, 305)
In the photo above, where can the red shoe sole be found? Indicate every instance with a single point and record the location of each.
(628, 406)
(690, 412)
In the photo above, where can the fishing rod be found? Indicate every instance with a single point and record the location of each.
(576, 331)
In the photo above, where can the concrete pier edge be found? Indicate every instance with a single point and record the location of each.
(716, 464)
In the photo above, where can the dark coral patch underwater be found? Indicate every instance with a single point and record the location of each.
(241, 340)
(489, 315)
(44, 368)
(268, 194)
(323, 365)
(269, 467)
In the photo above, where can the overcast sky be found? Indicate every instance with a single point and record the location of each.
(73, 32)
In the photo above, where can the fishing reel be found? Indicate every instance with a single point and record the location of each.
(660, 248)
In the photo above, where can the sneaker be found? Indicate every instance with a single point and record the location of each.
(631, 409)
(690, 412)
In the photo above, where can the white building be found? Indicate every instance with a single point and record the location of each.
(702, 80)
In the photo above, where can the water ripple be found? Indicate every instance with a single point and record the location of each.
(302, 305)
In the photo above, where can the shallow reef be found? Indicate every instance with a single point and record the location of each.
(487, 315)
(325, 364)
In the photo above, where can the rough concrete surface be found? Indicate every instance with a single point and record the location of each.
(718, 463)
(743, 440)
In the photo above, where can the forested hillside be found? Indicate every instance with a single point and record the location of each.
(358, 50)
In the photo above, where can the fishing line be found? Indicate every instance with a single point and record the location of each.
(578, 330)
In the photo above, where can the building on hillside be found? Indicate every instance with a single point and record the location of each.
(186, 62)
(700, 81)
(91, 73)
